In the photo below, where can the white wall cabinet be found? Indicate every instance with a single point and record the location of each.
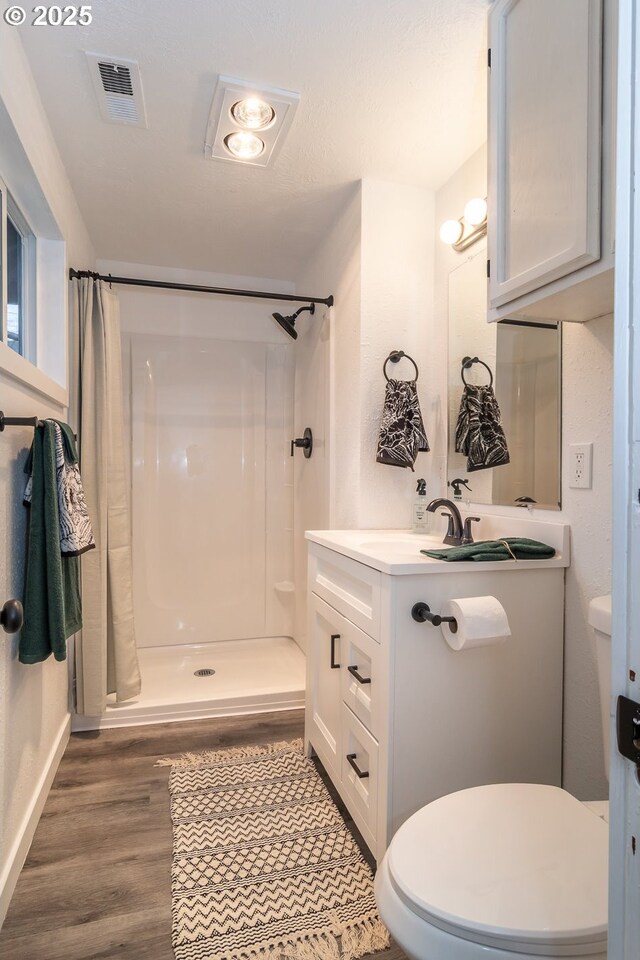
(551, 144)
(398, 718)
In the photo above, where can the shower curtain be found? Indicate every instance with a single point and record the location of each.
(106, 654)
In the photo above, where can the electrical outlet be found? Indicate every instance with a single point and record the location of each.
(581, 466)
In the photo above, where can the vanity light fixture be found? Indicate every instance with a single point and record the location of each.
(451, 231)
(472, 225)
(248, 123)
(475, 211)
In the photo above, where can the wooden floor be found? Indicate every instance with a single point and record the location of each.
(96, 882)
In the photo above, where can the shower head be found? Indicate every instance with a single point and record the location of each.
(288, 324)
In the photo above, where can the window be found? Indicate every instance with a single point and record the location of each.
(17, 258)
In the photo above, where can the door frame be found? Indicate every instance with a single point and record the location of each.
(624, 863)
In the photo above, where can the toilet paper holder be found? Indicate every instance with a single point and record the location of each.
(421, 613)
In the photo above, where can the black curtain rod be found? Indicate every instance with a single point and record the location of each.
(196, 288)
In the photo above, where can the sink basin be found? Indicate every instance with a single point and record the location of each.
(399, 543)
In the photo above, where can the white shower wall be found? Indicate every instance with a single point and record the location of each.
(209, 429)
(209, 403)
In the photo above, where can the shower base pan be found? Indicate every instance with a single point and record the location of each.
(250, 676)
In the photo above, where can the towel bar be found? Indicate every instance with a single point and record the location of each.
(17, 421)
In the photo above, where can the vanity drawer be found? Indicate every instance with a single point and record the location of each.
(360, 676)
(351, 587)
(360, 775)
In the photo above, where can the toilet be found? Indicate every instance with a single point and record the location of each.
(507, 871)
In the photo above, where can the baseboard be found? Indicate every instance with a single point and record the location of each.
(18, 852)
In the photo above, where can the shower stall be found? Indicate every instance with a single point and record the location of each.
(209, 390)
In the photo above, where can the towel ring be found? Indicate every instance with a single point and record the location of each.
(395, 356)
(467, 363)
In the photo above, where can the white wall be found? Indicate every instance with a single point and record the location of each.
(587, 401)
(327, 385)
(586, 416)
(34, 714)
(397, 314)
(377, 261)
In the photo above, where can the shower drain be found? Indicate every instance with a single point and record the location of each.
(204, 672)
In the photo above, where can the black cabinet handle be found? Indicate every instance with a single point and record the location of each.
(334, 637)
(351, 757)
(354, 673)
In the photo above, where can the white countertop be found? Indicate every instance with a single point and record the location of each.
(397, 552)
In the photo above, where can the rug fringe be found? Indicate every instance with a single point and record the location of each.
(230, 753)
(351, 942)
(367, 937)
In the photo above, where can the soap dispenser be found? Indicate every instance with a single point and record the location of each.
(457, 484)
(420, 514)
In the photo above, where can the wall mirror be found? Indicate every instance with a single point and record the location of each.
(524, 358)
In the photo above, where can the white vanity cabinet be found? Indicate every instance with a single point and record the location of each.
(551, 158)
(397, 717)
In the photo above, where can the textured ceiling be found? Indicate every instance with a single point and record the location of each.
(390, 89)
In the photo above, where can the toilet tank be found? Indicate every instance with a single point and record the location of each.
(600, 622)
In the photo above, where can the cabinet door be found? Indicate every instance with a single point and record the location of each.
(325, 640)
(544, 142)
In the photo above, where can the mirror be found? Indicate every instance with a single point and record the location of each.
(524, 358)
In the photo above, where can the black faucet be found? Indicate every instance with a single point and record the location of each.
(457, 534)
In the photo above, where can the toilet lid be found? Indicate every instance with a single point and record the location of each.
(517, 862)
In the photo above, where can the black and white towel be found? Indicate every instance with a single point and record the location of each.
(402, 434)
(76, 534)
(479, 433)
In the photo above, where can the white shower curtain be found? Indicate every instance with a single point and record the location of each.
(106, 654)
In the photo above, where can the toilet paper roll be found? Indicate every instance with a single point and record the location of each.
(480, 621)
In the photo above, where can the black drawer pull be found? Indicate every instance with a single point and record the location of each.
(351, 757)
(354, 673)
(334, 637)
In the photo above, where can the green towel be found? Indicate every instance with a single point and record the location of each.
(52, 606)
(488, 550)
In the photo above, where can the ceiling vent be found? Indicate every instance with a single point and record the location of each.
(119, 89)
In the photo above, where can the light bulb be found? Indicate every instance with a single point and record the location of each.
(475, 211)
(253, 113)
(244, 146)
(451, 231)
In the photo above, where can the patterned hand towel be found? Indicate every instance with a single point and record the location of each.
(402, 434)
(479, 433)
(76, 535)
(510, 548)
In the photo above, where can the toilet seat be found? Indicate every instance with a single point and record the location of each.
(518, 867)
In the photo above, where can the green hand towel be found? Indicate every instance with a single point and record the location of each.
(489, 550)
(52, 606)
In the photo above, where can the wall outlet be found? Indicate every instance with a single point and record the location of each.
(581, 466)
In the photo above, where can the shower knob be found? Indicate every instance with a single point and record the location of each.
(305, 442)
(12, 616)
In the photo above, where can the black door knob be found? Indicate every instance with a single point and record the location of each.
(12, 616)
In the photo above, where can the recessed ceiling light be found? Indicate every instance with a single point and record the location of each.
(244, 145)
(253, 113)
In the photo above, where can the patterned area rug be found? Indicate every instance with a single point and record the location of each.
(264, 866)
